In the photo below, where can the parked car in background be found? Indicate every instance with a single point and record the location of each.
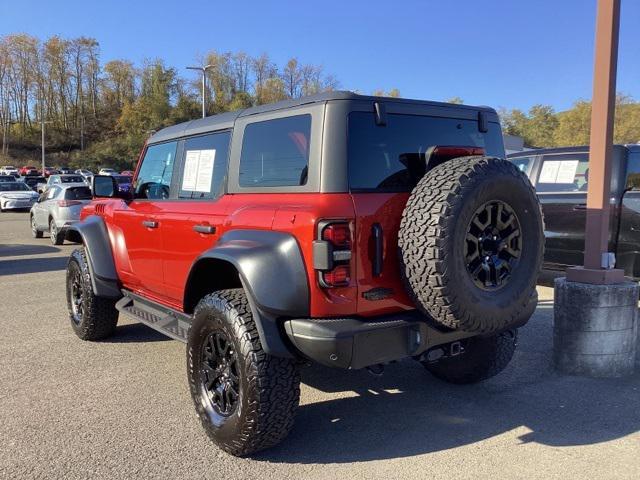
(87, 174)
(60, 179)
(127, 172)
(48, 171)
(33, 182)
(561, 178)
(7, 178)
(9, 170)
(107, 171)
(124, 182)
(16, 195)
(58, 208)
(28, 170)
(65, 170)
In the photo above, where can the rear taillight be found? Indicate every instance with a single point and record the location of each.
(332, 253)
(68, 203)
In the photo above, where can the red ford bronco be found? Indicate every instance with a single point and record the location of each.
(348, 230)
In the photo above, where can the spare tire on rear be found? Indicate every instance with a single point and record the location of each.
(471, 245)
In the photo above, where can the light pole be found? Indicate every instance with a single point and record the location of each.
(204, 85)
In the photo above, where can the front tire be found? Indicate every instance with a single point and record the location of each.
(35, 233)
(481, 359)
(245, 398)
(92, 317)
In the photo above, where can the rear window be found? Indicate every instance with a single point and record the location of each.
(78, 193)
(13, 187)
(275, 153)
(381, 158)
(72, 179)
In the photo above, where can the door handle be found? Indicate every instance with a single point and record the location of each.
(580, 206)
(376, 232)
(206, 229)
(150, 223)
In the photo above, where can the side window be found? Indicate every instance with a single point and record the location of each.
(204, 167)
(275, 153)
(524, 164)
(633, 171)
(154, 177)
(564, 173)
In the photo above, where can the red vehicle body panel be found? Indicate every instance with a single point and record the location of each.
(155, 262)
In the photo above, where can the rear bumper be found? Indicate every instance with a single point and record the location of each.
(354, 343)
(11, 204)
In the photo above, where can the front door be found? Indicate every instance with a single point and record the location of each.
(141, 221)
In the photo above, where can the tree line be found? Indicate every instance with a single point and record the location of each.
(100, 114)
(542, 126)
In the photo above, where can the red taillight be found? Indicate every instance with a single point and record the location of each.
(448, 152)
(68, 203)
(338, 277)
(338, 234)
(332, 254)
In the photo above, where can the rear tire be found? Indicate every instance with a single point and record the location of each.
(245, 398)
(471, 245)
(482, 358)
(92, 317)
(57, 238)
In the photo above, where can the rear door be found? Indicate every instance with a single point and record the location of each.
(385, 163)
(192, 222)
(561, 185)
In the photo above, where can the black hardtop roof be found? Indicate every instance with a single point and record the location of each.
(226, 120)
(634, 147)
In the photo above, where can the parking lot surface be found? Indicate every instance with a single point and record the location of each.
(121, 408)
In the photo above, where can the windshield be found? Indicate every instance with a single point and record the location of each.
(14, 187)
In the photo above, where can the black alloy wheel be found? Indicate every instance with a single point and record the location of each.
(219, 374)
(493, 245)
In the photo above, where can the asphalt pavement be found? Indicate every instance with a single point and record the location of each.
(121, 408)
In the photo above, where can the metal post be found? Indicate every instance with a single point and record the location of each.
(204, 86)
(597, 268)
(42, 142)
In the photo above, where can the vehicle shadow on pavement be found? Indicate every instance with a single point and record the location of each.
(408, 412)
(15, 250)
(136, 333)
(32, 265)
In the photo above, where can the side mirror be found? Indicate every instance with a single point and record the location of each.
(104, 186)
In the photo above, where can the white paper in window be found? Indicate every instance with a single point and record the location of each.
(205, 170)
(549, 172)
(567, 171)
(190, 174)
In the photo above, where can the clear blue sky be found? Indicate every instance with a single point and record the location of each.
(511, 53)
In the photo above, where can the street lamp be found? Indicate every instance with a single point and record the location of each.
(204, 83)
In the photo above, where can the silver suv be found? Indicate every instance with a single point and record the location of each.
(58, 207)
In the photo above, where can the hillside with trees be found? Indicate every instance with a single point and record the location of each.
(99, 113)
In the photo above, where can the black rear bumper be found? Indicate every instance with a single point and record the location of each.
(357, 343)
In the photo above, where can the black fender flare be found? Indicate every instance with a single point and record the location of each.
(273, 274)
(93, 234)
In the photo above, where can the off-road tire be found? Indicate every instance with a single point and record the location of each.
(35, 233)
(98, 316)
(432, 238)
(482, 358)
(55, 235)
(269, 387)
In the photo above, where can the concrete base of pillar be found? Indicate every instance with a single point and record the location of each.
(595, 330)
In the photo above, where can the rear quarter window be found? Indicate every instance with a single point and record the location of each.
(275, 153)
(380, 156)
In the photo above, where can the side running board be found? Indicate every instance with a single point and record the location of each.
(170, 322)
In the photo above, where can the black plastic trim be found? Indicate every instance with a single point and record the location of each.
(378, 239)
(354, 343)
(94, 235)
